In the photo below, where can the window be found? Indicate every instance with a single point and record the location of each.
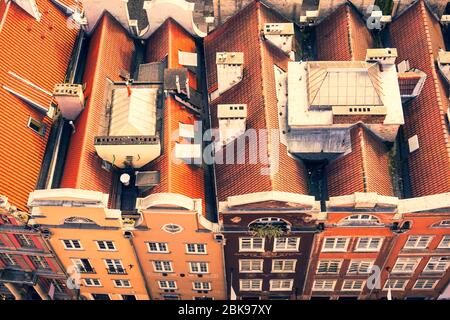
(406, 265)
(167, 284)
(286, 244)
(250, 265)
(100, 296)
(198, 285)
(37, 126)
(324, 285)
(39, 262)
(395, 284)
(114, 266)
(250, 284)
(104, 245)
(417, 242)
(120, 283)
(443, 224)
(426, 284)
(329, 266)
(83, 265)
(90, 282)
(198, 267)
(445, 243)
(285, 265)
(335, 244)
(437, 264)
(196, 248)
(7, 259)
(353, 285)
(172, 228)
(162, 266)
(157, 247)
(25, 241)
(251, 244)
(360, 219)
(360, 266)
(367, 244)
(281, 284)
(72, 244)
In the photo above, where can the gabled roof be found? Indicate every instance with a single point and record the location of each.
(343, 35)
(241, 33)
(417, 35)
(34, 57)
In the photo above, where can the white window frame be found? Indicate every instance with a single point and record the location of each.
(334, 249)
(158, 245)
(89, 282)
(204, 286)
(369, 247)
(284, 262)
(444, 264)
(323, 287)
(9, 257)
(72, 241)
(25, 240)
(198, 265)
(259, 283)
(167, 286)
(252, 244)
(445, 240)
(105, 243)
(395, 282)
(424, 282)
(252, 263)
(39, 262)
(122, 284)
(116, 263)
(360, 262)
(164, 264)
(77, 262)
(328, 262)
(352, 285)
(196, 248)
(284, 241)
(414, 241)
(405, 261)
(278, 284)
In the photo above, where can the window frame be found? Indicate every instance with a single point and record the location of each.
(369, 243)
(353, 281)
(333, 281)
(92, 285)
(418, 260)
(158, 245)
(283, 261)
(417, 241)
(241, 281)
(281, 288)
(199, 264)
(167, 282)
(209, 287)
(406, 281)
(251, 261)
(71, 241)
(334, 249)
(122, 281)
(436, 281)
(445, 238)
(370, 263)
(196, 246)
(447, 264)
(163, 264)
(328, 261)
(97, 242)
(285, 249)
(242, 239)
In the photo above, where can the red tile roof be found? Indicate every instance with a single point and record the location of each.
(110, 51)
(176, 177)
(364, 169)
(343, 36)
(241, 33)
(38, 52)
(407, 82)
(418, 37)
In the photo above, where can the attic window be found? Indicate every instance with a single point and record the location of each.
(36, 125)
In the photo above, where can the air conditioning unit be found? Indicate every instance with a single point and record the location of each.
(128, 234)
(70, 99)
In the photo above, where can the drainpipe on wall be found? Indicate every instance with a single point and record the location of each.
(141, 270)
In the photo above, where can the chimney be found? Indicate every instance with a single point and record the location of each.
(229, 69)
(232, 121)
(30, 7)
(384, 56)
(70, 99)
(280, 35)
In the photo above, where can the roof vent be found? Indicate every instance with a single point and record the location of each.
(30, 7)
(232, 121)
(70, 99)
(280, 35)
(383, 56)
(229, 69)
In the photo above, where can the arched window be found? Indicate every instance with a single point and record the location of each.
(442, 224)
(284, 225)
(78, 220)
(360, 219)
(172, 228)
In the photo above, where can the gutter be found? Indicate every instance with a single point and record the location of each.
(5, 13)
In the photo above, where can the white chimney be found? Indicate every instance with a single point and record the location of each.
(229, 69)
(382, 56)
(280, 35)
(70, 99)
(31, 7)
(232, 121)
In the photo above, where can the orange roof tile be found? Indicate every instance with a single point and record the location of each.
(110, 51)
(418, 37)
(38, 52)
(343, 36)
(241, 33)
(364, 169)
